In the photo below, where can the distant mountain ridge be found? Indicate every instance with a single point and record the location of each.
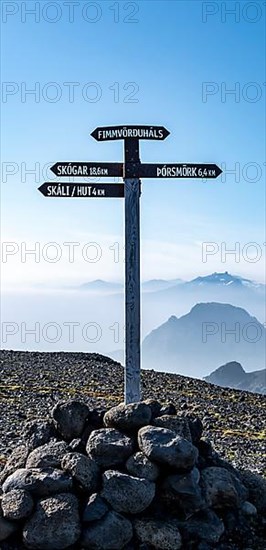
(232, 375)
(210, 334)
(217, 279)
(101, 286)
(216, 287)
(224, 279)
(153, 285)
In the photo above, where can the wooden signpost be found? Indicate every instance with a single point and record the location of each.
(132, 170)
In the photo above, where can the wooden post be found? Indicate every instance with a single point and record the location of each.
(132, 274)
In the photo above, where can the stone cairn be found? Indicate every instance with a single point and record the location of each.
(137, 476)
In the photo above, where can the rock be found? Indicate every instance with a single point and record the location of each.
(94, 422)
(70, 418)
(204, 526)
(54, 525)
(17, 504)
(168, 409)
(83, 469)
(183, 483)
(38, 432)
(95, 418)
(48, 455)
(205, 546)
(95, 508)
(112, 532)
(249, 509)
(139, 465)
(196, 429)
(128, 417)
(257, 489)
(184, 491)
(220, 488)
(164, 446)
(205, 449)
(7, 528)
(155, 407)
(164, 535)
(77, 446)
(128, 494)
(177, 424)
(16, 460)
(38, 482)
(108, 447)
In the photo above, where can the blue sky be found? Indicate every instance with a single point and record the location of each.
(166, 57)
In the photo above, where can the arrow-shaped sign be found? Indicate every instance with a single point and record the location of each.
(108, 133)
(82, 190)
(174, 171)
(88, 169)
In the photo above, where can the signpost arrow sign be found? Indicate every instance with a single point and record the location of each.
(109, 133)
(82, 190)
(88, 169)
(175, 171)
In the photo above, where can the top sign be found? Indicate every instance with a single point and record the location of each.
(108, 133)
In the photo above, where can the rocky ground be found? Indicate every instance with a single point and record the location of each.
(131, 477)
(31, 383)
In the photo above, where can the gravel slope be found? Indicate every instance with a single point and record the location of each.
(31, 382)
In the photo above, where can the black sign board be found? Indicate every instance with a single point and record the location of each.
(109, 133)
(174, 171)
(82, 190)
(88, 169)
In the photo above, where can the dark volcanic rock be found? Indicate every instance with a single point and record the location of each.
(204, 526)
(7, 528)
(196, 429)
(168, 409)
(221, 489)
(177, 424)
(83, 469)
(249, 509)
(54, 525)
(48, 455)
(173, 491)
(139, 465)
(70, 417)
(17, 504)
(38, 432)
(128, 417)
(155, 407)
(95, 508)
(16, 460)
(95, 418)
(38, 482)
(185, 492)
(128, 494)
(77, 446)
(112, 532)
(108, 447)
(164, 446)
(257, 489)
(238, 418)
(163, 535)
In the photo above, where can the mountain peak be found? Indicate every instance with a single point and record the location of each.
(211, 334)
(232, 375)
(223, 278)
(231, 369)
(172, 319)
